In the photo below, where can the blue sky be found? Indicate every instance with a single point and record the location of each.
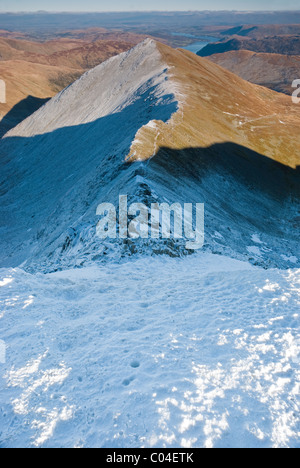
(129, 5)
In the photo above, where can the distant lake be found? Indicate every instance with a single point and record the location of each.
(200, 42)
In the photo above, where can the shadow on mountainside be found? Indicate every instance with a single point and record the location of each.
(20, 112)
(51, 185)
(253, 170)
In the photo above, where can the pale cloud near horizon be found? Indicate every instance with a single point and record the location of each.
(130, 5)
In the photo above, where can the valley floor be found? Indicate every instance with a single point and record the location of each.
(154, 352)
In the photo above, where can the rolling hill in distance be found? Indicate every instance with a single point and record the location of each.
(267, 55)
(273, 71)
(284, 45)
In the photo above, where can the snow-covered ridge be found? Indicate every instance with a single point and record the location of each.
(70, 156)
(107, 89)
(71, 152)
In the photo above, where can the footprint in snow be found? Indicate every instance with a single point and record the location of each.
(127, 382)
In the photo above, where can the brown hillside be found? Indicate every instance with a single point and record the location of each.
(274, 71)
(217, 106)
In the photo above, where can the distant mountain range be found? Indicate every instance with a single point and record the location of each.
(284, 45)
(145, 22)
(267, 55)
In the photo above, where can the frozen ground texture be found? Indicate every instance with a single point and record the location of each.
(201, 352)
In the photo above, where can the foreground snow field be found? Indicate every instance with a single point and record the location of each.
(195, 352)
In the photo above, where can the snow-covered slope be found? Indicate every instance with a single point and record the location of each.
(149, 124)
(195, 352)
(59, 164)
(105, 90)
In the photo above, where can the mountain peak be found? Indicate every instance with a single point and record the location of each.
(104, 90)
